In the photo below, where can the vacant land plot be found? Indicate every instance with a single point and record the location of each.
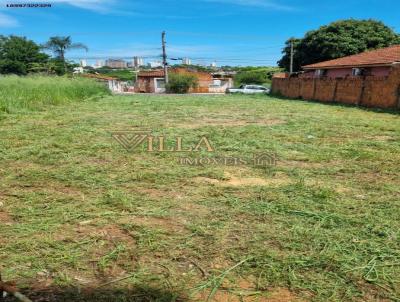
(84, 219)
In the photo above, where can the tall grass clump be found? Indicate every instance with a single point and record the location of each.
(38, 92)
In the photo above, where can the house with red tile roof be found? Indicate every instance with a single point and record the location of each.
(152, 81)
(370, 63)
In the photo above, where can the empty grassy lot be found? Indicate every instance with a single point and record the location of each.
(83, 219)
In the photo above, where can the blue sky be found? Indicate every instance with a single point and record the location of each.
(239, 32)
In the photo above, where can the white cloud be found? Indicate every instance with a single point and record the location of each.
(267, 4)
(7, 21)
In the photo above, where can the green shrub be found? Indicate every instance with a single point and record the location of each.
(36, 92)
(181, 83)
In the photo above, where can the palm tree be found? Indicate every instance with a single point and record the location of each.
(59, 45)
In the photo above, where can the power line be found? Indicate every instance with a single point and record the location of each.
(112, 57)
(230, 59)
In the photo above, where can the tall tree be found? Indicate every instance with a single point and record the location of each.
(17, 54)
(60, 45)
(338, 39)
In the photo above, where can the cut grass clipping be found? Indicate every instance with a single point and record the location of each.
(38, 92)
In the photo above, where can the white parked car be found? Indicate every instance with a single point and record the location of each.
(249, 89)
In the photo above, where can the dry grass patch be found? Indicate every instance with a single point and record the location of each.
(205, 122)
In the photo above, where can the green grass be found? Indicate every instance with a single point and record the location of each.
(38, 92)
(79, 211)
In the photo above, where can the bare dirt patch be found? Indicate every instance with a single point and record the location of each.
(231, 180)
(87, 229)
(343, 190)
(282, 295)
(6, 218)
(115, 234)
(246, 292)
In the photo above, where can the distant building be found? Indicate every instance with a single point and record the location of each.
(138, 61)
(112, 63)
(83, 63)
(186, 61)
(213, 64)
(99, 64)
(155, 64)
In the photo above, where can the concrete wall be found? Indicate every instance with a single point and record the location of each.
(370, 91)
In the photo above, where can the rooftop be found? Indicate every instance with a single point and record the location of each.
(379, 57)
(151, 73)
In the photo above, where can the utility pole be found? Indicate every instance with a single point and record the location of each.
(291, 56)
(164, 55)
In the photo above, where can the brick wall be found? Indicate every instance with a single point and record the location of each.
(371, 91)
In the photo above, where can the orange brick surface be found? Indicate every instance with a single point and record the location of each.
(380, 92)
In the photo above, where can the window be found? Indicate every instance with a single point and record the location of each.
(357, 72)
(217, 83)
(160, 83)
(320, 72)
